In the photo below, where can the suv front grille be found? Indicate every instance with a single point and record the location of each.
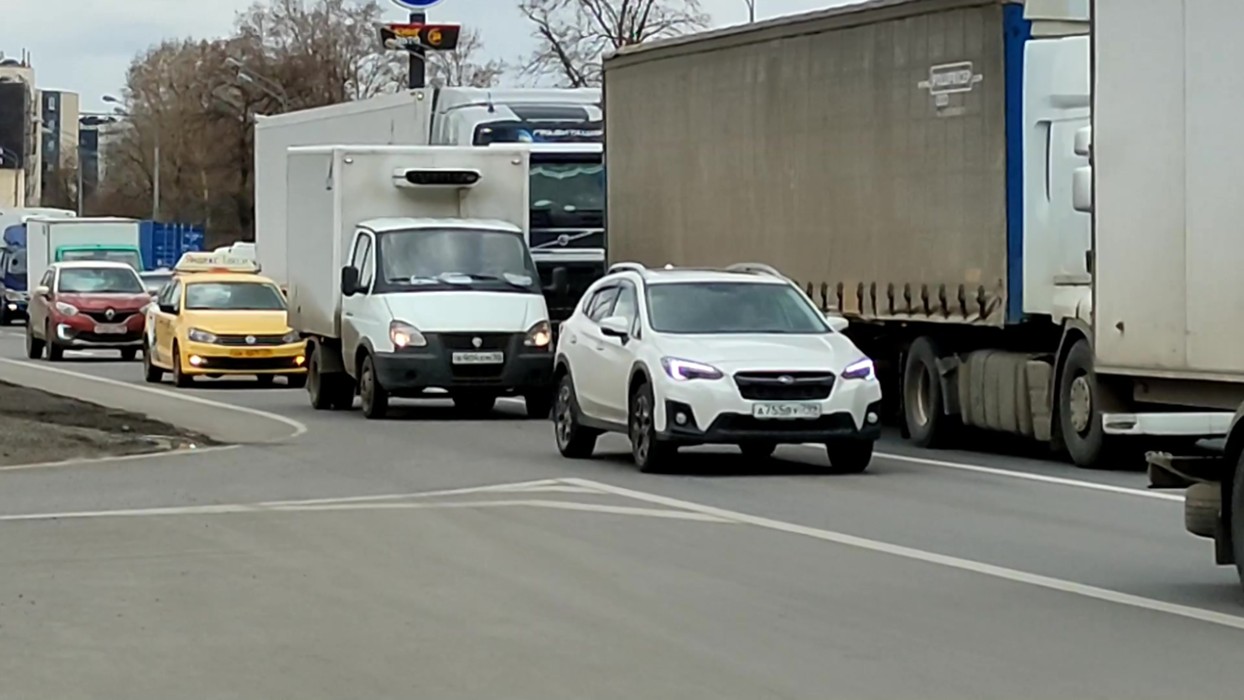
(784, 386)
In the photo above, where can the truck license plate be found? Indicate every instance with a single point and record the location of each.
(777, 411)
(110, 328)
(478, 358)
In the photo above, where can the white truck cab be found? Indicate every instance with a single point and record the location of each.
(415, 277)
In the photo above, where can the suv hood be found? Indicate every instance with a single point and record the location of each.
(828, 351)
(102, 302)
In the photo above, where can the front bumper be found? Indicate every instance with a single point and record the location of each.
(411, 371)
(207, 358)
(80, 331)
(715, 412)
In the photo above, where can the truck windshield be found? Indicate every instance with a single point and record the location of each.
(436, 258)
(233, 296)
(99, 280)
(129, 257)
(731, 307)
(567, 192)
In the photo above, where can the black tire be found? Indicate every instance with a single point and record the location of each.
(1237, 517)
(650, 452)
(474, 404)
(849, 456)
(56, 353)
(264, 379)
(923, 406)
(374, 397)
(328, 392)
(573, 440)
(129, 354)
(1080, 404)
(759, 449)
(1201, 506)
(180, 378)
(539, 404)
(151, 373)
(296, 381)
(34, 346)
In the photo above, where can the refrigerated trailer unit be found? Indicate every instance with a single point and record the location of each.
(910, 162)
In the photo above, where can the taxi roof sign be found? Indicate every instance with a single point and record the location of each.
(215, 262)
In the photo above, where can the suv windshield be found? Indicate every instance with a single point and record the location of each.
(233, 296)
(731, 307)
(129, 257)
(99, 280)
(439, 258)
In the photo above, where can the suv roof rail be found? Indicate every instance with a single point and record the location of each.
(754, 268)
(627, 267)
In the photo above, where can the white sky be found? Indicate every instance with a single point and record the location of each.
(89, 49)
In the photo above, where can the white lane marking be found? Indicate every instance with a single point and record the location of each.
(968, 565)
(355, 506)
(1026, 476)
(550, 484)
(87, 461)
(299, 428)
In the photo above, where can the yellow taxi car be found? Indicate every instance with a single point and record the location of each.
(219, 317)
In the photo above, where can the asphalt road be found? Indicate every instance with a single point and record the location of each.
(425, 556)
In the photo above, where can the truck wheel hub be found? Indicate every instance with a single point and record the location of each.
(1081, 404)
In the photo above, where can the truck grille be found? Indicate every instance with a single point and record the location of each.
(466, 341)
(784, 386)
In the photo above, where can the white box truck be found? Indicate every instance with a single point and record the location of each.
(563, 128)
(412, 275)
(1168, 319)
(51, 240)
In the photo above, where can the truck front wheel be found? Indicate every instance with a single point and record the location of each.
(1236, 517)
(374, 397)
(926, 420)
(1080, 403)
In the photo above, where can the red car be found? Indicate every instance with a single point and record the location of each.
(84, 305)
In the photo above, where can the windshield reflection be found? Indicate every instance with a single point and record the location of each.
(457, 258)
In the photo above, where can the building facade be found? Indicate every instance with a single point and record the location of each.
(59, 135)
(20, 146)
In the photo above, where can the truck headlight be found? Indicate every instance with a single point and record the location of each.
(66, 309)
(539, 336)
(404, 335)
(199, 335)
(11, 295)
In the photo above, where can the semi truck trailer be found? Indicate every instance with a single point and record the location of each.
(911, 164)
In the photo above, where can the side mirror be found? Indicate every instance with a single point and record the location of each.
(349, 280)
(42, 291)
(560, 284)
(616, 326)
(1084, 142)
(837, 323)
(168, 308)
(1082, 189)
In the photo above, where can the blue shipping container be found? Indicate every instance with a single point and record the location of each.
(162, 244)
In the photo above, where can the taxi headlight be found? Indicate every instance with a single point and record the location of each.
(291, 337)
(199, 335)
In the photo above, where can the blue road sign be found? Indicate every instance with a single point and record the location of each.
(416, 5)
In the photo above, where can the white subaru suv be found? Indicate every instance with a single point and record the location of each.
(679, 357)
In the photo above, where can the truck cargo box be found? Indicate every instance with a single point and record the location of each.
(162, 244)
(1167, 151)
(401, 119)
(868, 151)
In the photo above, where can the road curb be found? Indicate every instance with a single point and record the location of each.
(225, 423)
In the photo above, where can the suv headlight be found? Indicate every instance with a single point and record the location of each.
(199, 335)
(404, 335)
(685, 370)
(860, 369)
(66, 309)
(539, 336)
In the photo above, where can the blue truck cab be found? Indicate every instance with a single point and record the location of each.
(13, 274)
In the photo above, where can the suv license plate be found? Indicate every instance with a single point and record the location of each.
(478, 358)
(110, 328)
(777, 411)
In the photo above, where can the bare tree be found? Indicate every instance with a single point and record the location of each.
(573, 35)
(464, 66)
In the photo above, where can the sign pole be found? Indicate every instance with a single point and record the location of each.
(418, 77)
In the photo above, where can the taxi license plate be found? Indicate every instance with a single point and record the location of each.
(250, 353)
(110, 328)
(478, 358)
(779, 411)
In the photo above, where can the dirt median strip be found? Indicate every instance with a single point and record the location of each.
(37, 426)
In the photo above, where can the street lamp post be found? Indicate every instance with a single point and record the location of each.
(751, 10)
(155, 168)
(269, 87)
